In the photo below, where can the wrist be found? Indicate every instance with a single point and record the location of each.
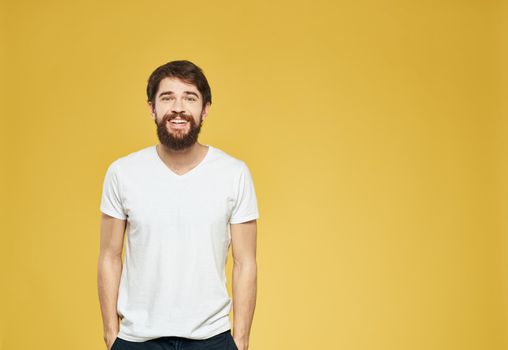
(241, 337)
(113, 329)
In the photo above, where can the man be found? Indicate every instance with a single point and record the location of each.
(181, 204)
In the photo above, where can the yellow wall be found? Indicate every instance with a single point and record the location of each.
(501, 152)
(375, 132)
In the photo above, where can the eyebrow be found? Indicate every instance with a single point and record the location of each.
(172, 93)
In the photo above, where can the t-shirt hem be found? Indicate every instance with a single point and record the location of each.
(113, 213)
(123, 336)
(244, 218)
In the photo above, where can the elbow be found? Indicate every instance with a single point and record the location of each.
(250, 263)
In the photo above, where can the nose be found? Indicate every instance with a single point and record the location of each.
(177, 106)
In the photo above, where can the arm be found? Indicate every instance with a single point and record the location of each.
(109, 271)
(243, 237)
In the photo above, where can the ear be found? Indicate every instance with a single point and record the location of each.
(205, 111)
(151, 109)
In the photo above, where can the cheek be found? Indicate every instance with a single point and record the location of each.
(197, 111)
(161, 112)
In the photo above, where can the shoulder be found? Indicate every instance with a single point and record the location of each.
(227, 161)
(133, 160)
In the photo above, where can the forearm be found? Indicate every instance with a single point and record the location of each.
(244, 285)
(108, 279)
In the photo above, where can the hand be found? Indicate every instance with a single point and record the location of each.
(241, 343)
(109, 339)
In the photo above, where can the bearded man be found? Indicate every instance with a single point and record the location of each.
(180, 205)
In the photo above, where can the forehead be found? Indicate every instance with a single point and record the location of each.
(176, 85)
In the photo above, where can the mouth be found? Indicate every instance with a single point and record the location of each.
(178, 123)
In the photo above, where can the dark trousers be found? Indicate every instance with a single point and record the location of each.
(221, 341)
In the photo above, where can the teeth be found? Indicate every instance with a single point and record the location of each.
(179, 121)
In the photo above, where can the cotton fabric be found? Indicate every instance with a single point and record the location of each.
(173, 281)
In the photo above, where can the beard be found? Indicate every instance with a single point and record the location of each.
(178, 139)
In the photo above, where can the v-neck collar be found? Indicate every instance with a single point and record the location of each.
(171, 172)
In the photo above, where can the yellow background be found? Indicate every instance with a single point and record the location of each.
(375, 132)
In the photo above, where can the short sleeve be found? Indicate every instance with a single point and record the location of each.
(111, 200)
(246, 207)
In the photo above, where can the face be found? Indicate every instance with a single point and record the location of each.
(178, 113)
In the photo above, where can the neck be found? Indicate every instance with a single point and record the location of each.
(184, 157)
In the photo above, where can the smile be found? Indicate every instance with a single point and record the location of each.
(178, 124)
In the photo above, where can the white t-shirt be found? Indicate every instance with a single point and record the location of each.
(173, 280)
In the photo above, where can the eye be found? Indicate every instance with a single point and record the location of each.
(191, 98)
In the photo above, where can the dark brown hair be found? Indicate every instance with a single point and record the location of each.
(183, 70)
